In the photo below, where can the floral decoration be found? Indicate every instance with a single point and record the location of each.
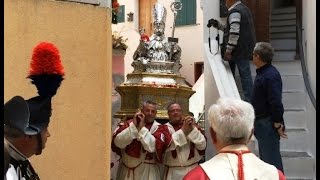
(118, 42)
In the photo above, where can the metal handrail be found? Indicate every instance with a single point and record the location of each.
(303, 65)
(200, 116)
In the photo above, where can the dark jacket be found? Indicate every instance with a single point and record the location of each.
(19, 161)
(267, 93)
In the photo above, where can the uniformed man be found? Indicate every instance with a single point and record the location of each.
(26, 121)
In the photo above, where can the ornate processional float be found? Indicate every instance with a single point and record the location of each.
(156, 76)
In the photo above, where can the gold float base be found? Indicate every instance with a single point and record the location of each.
(135, 91)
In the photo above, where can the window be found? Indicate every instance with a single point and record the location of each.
(121, 14)
(188, 14)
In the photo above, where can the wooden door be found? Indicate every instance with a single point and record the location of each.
(261, 15)
(145, 15)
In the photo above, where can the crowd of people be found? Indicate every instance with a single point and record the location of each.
(265, 93)
(179, 144)
(171, 151)
(150, 150)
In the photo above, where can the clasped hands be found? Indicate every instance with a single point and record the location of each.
(139, 120)
(188, 124)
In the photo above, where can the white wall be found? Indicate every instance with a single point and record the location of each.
(129, 30)
(309, 42)
(211, 9)
(191, 42)
(190, 37)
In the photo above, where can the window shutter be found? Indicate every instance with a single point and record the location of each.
(187, 15)
(121, 14)
(192, 9)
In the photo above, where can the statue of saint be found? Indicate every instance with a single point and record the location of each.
(153, 55)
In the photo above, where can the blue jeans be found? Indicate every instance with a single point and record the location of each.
(243, 66)
(268, 142)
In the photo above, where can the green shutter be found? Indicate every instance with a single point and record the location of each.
(192, 9)
(121, 14)
(188, 14)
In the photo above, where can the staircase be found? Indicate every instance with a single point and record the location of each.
(283, 33)
(298, 163)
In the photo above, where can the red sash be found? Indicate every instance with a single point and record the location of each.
(240, 162)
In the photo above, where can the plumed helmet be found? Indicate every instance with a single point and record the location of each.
(40, 111)
(46, 73)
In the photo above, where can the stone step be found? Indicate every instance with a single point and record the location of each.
(292, 83)
(285, 35)
(294, 99)
(282, 29)
(294, 118)
(288, 67)
(298, 165)
(293, 161)
(290, 22)
(297, 140)
(286, 16)
(284, 10)
(284, 44)
(295, 154)
(284, 55)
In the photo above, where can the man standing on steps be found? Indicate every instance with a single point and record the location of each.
(238, 41)
(267, 102)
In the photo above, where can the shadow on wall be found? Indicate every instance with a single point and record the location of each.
(117, 79)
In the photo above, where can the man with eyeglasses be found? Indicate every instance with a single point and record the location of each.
(269, 125)
(187, 144)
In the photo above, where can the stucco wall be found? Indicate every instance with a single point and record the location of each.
(190, 37)
(309, 37)
(191, 43)
(309, 43)
(79, 146)
(129, 30)
(211, 10)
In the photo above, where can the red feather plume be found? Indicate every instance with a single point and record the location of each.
(46, 60)
(46, 71)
